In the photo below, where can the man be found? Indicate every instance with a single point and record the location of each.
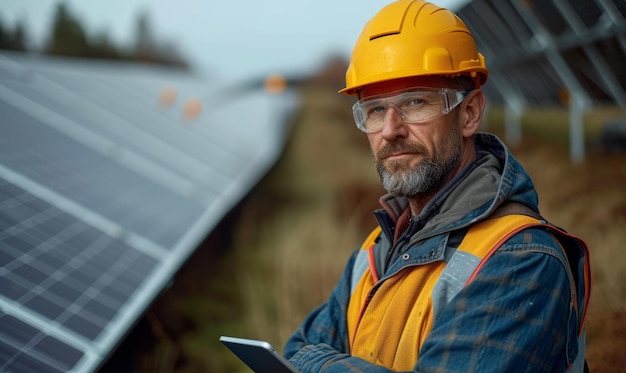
(462, 274)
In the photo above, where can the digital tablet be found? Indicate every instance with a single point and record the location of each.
(260, 356)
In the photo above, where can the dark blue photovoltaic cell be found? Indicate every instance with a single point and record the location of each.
(61, 268)
(45, 353)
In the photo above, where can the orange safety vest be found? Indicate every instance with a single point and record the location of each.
(389, 327)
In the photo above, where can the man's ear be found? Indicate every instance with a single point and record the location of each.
(472, 115)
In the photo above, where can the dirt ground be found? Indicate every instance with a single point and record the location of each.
(607, 341)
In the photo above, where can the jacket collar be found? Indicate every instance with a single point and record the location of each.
(493, 178)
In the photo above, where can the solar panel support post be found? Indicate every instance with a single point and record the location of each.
(484, 124)
(512, 122)
(577, 110)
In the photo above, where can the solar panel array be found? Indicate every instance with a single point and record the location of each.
(542, 53)
(105, 191)
(546, 52)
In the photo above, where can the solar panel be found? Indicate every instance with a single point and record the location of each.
(105, 192)
(18, 337)
(578, 39)
(551, 53)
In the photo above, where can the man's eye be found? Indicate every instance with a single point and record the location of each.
(415, 102)
(377, 110)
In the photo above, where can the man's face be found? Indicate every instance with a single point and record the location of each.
(414, 159)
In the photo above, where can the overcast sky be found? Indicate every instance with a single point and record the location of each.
(226, 38)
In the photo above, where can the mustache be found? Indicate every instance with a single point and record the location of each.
(392, 148)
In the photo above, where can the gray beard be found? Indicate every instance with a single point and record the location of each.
(427, 177)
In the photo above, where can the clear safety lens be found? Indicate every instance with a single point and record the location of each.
(414, 105)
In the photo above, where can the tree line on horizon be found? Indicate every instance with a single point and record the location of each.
(67, 37)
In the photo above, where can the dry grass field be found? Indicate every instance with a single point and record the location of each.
(280, 253)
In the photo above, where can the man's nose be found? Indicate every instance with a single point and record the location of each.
(393, 124)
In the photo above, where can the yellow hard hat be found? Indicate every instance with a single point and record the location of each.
(413, 38)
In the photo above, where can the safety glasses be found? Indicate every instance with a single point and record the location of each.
(413, 105)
